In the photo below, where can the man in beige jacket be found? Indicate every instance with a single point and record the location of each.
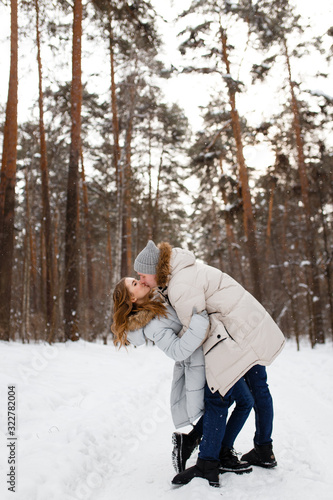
(243, 337)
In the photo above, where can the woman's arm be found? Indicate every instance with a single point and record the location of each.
(178, 348)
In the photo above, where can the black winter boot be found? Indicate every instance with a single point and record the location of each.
(207, 469)
(183, 447)
(261, 455)
(229, 462)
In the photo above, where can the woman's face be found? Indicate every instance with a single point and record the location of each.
(137, 290)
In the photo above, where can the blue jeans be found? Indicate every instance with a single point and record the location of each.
(256, 379)
(243, 398)
(212, 426)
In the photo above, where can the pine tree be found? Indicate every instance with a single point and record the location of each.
(202, 39)
(72, 217)
(47, 222)
(273, 22)
(7, 184)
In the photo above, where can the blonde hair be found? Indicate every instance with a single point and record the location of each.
(123, 308)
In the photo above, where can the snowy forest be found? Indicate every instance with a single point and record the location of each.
(105, 160)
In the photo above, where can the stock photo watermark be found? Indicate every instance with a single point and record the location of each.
(11, 438)
(39, 362)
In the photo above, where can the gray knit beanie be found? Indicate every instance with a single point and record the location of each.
(147, 260)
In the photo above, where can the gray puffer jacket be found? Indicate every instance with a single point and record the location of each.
(187, 391)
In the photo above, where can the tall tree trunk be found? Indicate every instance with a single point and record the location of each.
(150, 187)
(72, 226)
(47, 222)
(231, 241)
(57, 294)
(314, 284)
(217, 235)
(155, 232)
(89, 252)
(7, 184)
(25, 314)
(126, 267)
(109, 251)
(42, 276)
(327, 255)
(116, 158)
(249, 225)
(25, 325)
(269, 220)
(34, 302)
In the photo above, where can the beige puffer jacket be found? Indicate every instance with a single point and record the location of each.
(242, 332)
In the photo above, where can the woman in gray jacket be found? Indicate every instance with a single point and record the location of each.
(139, 314)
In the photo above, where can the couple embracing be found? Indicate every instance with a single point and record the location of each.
(221, 338)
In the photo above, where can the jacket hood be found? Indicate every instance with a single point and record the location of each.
(163, 268)
(171, 260)
(181, 258)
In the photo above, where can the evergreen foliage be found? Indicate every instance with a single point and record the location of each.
(137, 155)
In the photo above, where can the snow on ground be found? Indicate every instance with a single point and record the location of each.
(94, 423)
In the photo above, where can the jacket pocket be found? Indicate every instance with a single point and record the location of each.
(229, 334)
(213, 346)
(212, 341)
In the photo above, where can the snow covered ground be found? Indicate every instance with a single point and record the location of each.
(94, 423)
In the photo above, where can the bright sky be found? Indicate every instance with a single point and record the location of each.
(189, 91)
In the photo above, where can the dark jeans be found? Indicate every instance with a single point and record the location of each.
(243, 398)
(213, 424)
(256, 379)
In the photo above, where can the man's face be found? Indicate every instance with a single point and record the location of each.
(148, 280)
